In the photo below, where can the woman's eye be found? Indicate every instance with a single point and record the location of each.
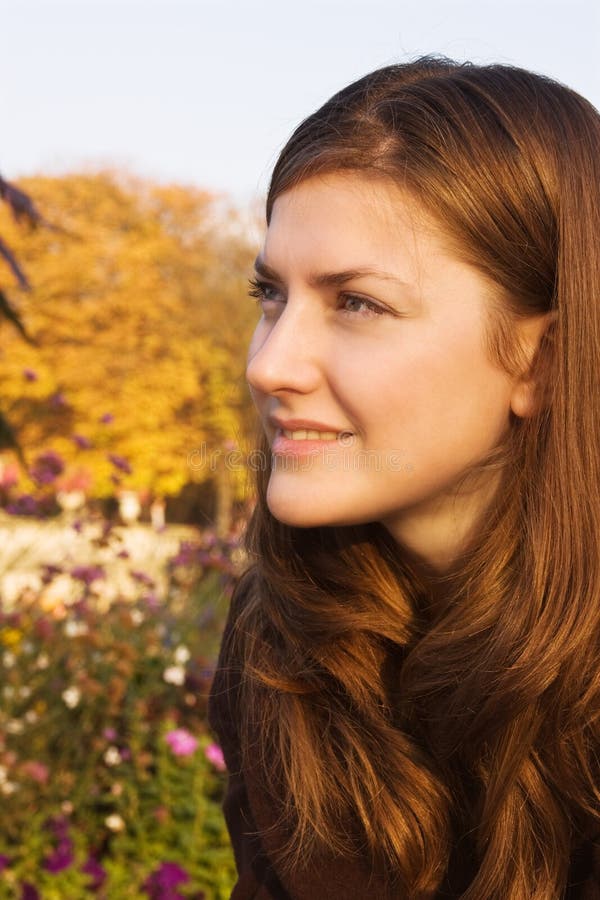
(262, 291)
(352, 303)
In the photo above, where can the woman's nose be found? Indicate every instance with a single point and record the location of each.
(285, 355)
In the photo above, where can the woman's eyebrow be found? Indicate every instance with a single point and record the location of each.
(325, 279)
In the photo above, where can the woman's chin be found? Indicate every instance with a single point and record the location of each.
(305, 514)
(298, 517)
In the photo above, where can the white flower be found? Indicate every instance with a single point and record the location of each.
(174, 675)
(31, 716)
(71, 696)
(8, 787)
(182, 655)
(3, 774)
(137, 616)
(42, 662)
(8, 691)
(112, 756)
(8, 659)
(14, 726)
(114, 822)
(24, 691)
(75, 629)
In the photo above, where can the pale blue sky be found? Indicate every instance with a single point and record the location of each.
(205, 92)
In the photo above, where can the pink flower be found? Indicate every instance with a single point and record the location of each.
(214, 754)
(9, 474)
(181, 742)
(36, 771)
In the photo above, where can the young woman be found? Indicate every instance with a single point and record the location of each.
(408, 690)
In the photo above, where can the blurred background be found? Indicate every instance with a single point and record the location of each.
(137, 141)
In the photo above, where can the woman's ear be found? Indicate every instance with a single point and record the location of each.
(530, 388)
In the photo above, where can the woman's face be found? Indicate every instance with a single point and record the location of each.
(368, 366)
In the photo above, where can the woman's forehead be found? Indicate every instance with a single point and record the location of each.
(346, 222)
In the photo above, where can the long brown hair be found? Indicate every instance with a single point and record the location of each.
(413, 725)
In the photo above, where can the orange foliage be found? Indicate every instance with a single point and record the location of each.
(140, 312)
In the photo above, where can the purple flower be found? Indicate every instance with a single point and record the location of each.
(110, 734)
(107, 418)
(47, 467)
(119, 462)
(59, 826)
(93, 868)
(81, 441)
(57, 400)
(142, 578)
(4, 862)
(49, 572)
(163, 882)
(181, 742)
(30, 375)
(151, 600)
(61, 857)
(25, 505)
(214, 754)
(188, 554)
(29, 892)
(87, 574)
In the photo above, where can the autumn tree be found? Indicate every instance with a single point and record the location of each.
(23, 210)
(140, 316)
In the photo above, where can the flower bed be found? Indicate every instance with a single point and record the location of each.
(110, 783)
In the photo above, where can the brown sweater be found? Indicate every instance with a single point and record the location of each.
(250, 819)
